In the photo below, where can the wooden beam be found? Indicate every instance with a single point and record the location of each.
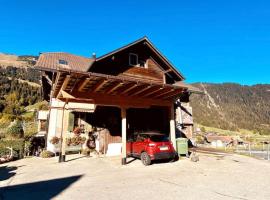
(99, 85)
(141, 91)
(84, 84)
(64, 128)
(169, 70)
(114, 87)
(58, 75)
(120, 100)
(48, 79)
(64, 85)
(129, 88)
(163, 93)
(170, 95)
(153, 92)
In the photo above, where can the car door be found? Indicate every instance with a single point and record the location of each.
(138, 145)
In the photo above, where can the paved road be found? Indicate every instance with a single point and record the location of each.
(213, 177)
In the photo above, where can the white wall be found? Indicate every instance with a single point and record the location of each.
(55, 122)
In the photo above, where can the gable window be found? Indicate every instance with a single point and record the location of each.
(63, 62)
(133, 59)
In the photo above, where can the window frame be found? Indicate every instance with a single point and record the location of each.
(62, 62)
(129, 59)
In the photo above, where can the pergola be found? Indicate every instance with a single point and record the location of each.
(119, 91)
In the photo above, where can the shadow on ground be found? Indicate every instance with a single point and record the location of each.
(38, 190)
(7, 172)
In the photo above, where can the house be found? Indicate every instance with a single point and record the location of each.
(219, 140)
(134, 88)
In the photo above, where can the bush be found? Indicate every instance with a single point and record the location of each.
(46, 154)
(86, 152)
(43, 105)
(17, 145)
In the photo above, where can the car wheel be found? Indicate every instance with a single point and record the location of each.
(145, 158)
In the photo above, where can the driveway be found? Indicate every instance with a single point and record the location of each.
(213, 177)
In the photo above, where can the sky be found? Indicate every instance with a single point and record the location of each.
(208, 41)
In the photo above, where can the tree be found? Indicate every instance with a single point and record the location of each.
(16, 130)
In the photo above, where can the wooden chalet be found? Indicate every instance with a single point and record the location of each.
(131, 89)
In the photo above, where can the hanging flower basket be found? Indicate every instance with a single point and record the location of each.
(55, 140)
(74, 141)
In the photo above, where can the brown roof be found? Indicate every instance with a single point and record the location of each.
(211, 138)
(191, 88)
(50, 61)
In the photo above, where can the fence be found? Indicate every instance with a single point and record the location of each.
(261, 150)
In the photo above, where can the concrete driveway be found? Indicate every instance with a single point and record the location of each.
(213, 177)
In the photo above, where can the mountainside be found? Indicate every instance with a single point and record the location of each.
(227, 106)
(19, 84)
(233, 106)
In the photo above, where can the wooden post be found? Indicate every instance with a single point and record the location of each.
(172, 127)
(124, 135)
(249, 149)
(64, 128)
(268, 151)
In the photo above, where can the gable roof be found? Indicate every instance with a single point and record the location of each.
(152, 47)
(50, 61)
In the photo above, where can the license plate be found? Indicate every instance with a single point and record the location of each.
(163, 148)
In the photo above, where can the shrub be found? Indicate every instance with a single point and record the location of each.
(46, 154)
(86, 152)
(43, 105)
(16, 145)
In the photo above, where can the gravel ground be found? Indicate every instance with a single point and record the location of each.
(213, 177)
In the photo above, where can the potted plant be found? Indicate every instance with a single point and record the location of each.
(55, 140)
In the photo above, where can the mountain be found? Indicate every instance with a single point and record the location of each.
(228, 106)
(232, 106)
(19, 84)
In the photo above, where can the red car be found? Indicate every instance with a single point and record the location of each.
(150, 146)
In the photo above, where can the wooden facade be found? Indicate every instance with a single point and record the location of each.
(144, 89)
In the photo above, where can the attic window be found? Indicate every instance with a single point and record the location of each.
(63, 62)
(133, 59)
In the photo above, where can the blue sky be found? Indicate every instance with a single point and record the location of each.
(208, 41)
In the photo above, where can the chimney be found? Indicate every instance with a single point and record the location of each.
(94, 56)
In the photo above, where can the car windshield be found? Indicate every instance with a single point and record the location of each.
(159, 138)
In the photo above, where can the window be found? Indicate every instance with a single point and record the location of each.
(63, 62)
(133, 59)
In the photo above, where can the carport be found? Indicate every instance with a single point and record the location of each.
(131, 96)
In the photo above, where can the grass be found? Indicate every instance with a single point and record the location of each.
(36, 106)
(245, 134)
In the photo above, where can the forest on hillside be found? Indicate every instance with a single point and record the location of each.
(16, 90)
(19, 90)
(232, 106)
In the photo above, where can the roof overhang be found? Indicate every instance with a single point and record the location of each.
(113, 90)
